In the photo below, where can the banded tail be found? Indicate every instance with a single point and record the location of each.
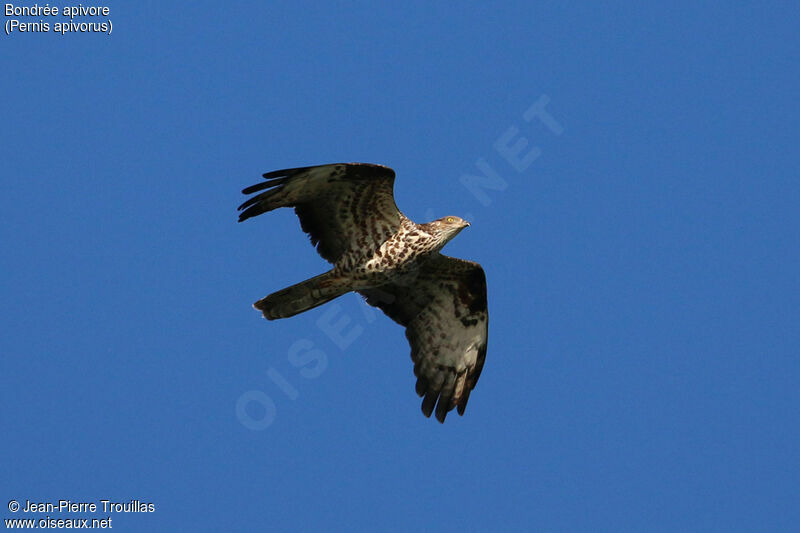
(302, 296)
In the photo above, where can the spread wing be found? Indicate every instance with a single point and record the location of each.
(443, 307)
(342, 206)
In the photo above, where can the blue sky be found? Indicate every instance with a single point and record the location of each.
(642, 261)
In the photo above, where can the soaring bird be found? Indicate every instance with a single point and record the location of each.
(349, 212)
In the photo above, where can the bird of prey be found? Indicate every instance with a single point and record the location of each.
(348, 210)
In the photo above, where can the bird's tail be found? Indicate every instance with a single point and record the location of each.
(302, 296)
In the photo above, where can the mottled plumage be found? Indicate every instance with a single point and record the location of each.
(349, 212)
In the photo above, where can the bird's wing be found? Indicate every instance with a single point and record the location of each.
(341, 206)
(443, 307)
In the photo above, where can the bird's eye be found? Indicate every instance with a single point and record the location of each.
(450, 220)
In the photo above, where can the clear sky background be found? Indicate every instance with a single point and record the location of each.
(641, 251)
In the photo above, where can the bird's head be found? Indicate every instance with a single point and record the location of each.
(446, 228)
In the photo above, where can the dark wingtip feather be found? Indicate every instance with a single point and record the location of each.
(251, 211)
(429, 402)
(442, 408)
(285, 173)
(249, 202)
(264, 185)
(462, 405)
(255, 188)
(422, 385)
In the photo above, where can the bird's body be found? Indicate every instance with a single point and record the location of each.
(396, 254)
(403, 253)
(350, 214)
